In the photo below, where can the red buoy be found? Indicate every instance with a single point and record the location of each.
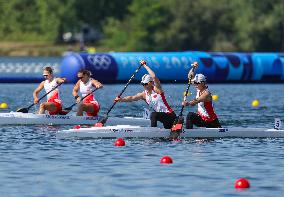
(77, 126)
(119, 142)
(166, 160)
(242, 183)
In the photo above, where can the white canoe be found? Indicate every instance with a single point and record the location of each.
(128, 131)
(18, 118)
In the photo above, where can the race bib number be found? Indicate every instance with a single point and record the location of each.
(277, 123)
(146, 113)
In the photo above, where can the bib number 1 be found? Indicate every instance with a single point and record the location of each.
(146, 113)
(277, 123)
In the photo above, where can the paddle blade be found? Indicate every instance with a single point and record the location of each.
(176, 127)
(175, 134)
(23, 110)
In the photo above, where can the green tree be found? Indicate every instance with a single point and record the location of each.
(139, 30)
(96, 12)
(35, 20)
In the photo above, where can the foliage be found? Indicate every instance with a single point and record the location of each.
(151, 25)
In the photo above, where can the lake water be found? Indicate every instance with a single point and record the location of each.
(33, 162)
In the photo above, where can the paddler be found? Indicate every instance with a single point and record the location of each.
(53, 104)
(155, 97)
(86, 85)
(205, 116)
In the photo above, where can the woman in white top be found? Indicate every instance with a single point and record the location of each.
(205, 116)
(154, 96)
(86, 85)
(53, 104)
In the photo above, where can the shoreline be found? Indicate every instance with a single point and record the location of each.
(22, 49)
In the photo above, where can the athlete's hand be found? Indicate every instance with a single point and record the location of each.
(61, 80)
(184, 103)
(36, 101)
(143, 62)
(195, 64)
(191, 73)
(78, 100)
(64, 80)
(192, 103)
(98, 86)
(117, 99)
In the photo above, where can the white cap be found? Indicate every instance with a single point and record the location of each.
(146, 78)
(198, 78)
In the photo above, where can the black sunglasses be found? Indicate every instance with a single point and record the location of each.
(198, 82)
(45, 75)
(144, 84)
(81, 77)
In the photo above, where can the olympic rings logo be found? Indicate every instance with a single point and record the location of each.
(100, 61)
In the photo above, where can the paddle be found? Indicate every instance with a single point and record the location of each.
(103, 120)
(68, 109)
(26, 110)
(177, 126)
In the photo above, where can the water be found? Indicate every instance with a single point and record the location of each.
(34, 163)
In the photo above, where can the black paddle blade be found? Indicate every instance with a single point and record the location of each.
(175, 134)
(23, 110)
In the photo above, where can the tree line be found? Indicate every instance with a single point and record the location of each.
(150, 25)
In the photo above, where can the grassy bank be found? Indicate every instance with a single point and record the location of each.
(39, 49)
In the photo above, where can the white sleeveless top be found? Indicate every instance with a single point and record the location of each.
(86, 88)
(205, 109)
(54, 95)
(158, 102)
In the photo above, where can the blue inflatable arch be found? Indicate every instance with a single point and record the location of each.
(173, 66)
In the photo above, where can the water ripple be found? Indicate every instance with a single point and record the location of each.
(34, 162)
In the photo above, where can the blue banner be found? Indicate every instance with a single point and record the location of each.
(174, 66)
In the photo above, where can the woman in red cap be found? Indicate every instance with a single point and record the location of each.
(205, 116)
(155, 97)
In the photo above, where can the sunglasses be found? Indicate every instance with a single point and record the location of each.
(144, 84)
(196, 83)
(81, 77)
(45, 75)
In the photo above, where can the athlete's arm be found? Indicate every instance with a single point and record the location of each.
(139, 96)
(206, 96)
(36, 91)
(75, 91)
(60, 80)
(97, 84)
(192, 70)
(158, 87)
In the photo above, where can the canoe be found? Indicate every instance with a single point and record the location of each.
(130, 131)
(18, 118)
